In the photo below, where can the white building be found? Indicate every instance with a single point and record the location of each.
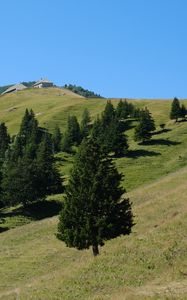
(43, 83)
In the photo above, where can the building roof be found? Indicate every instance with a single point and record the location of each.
(16, 87)
(42, 81)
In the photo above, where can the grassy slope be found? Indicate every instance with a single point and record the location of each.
(151, 263)
(153, 255)
(166, 154)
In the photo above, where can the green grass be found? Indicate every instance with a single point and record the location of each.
(151, 263)
(146, 163)
(35, 265)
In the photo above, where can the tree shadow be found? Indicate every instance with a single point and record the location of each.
(42, 209)
(35, 211)
(141, 152)
(161, 131)
(164, 142)
(3, 229)
(128, 124)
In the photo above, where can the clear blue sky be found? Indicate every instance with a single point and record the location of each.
(121, 48)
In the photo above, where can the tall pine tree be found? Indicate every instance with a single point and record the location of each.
(94, 208)
(4, 141)
(85, 123)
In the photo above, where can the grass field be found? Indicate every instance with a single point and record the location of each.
(151, 263)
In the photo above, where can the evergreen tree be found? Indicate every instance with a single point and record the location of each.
(4, 141)
(122, 110)
(57, 139)
(146, 125)
(110, 137)
(85, 123)
(109, 114)
(49, 181)
(74, 130)
(94, 210)
(66, 145)
(28, 138)
(29, 172)
(175, 112)
(28, 128)
(20, 181)
(117, 139)
(183, 112)
(16, 151)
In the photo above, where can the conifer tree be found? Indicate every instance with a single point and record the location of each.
(29, 172)
(94, 208)
(20, 181)
(117, 138)
(109, 114)
(49, 181)
(74, 130)
(4, 141)
(122, 110)
(72, 136)
(57, 139)
(110, 136)
(145, 127)
(85, 123)
(183, 112)
(66, 145)
(175, 112)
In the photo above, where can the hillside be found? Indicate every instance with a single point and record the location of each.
(53, 105)
(144, 163)
(150, 263)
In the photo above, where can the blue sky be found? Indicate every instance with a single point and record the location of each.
(121, 48)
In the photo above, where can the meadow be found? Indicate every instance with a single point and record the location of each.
(151, 263)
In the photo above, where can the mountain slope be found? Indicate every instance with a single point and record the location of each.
(151, 263)
(53, 105)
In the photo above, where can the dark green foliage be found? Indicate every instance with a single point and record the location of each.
(117, 139)
(29, 172)
(125, 109)
(72, 136)
(81, 91)
(29, 128)
(109, 114)
(74, 130)
(85, 123)
(145, 127)
(4, 141)
(57, 139)
(175, 112)
(17, 149)
(136, 113)
(49, 181)
(66, 145)
(109, 132)
(20, 182)
(183, 112)
(94, 210)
